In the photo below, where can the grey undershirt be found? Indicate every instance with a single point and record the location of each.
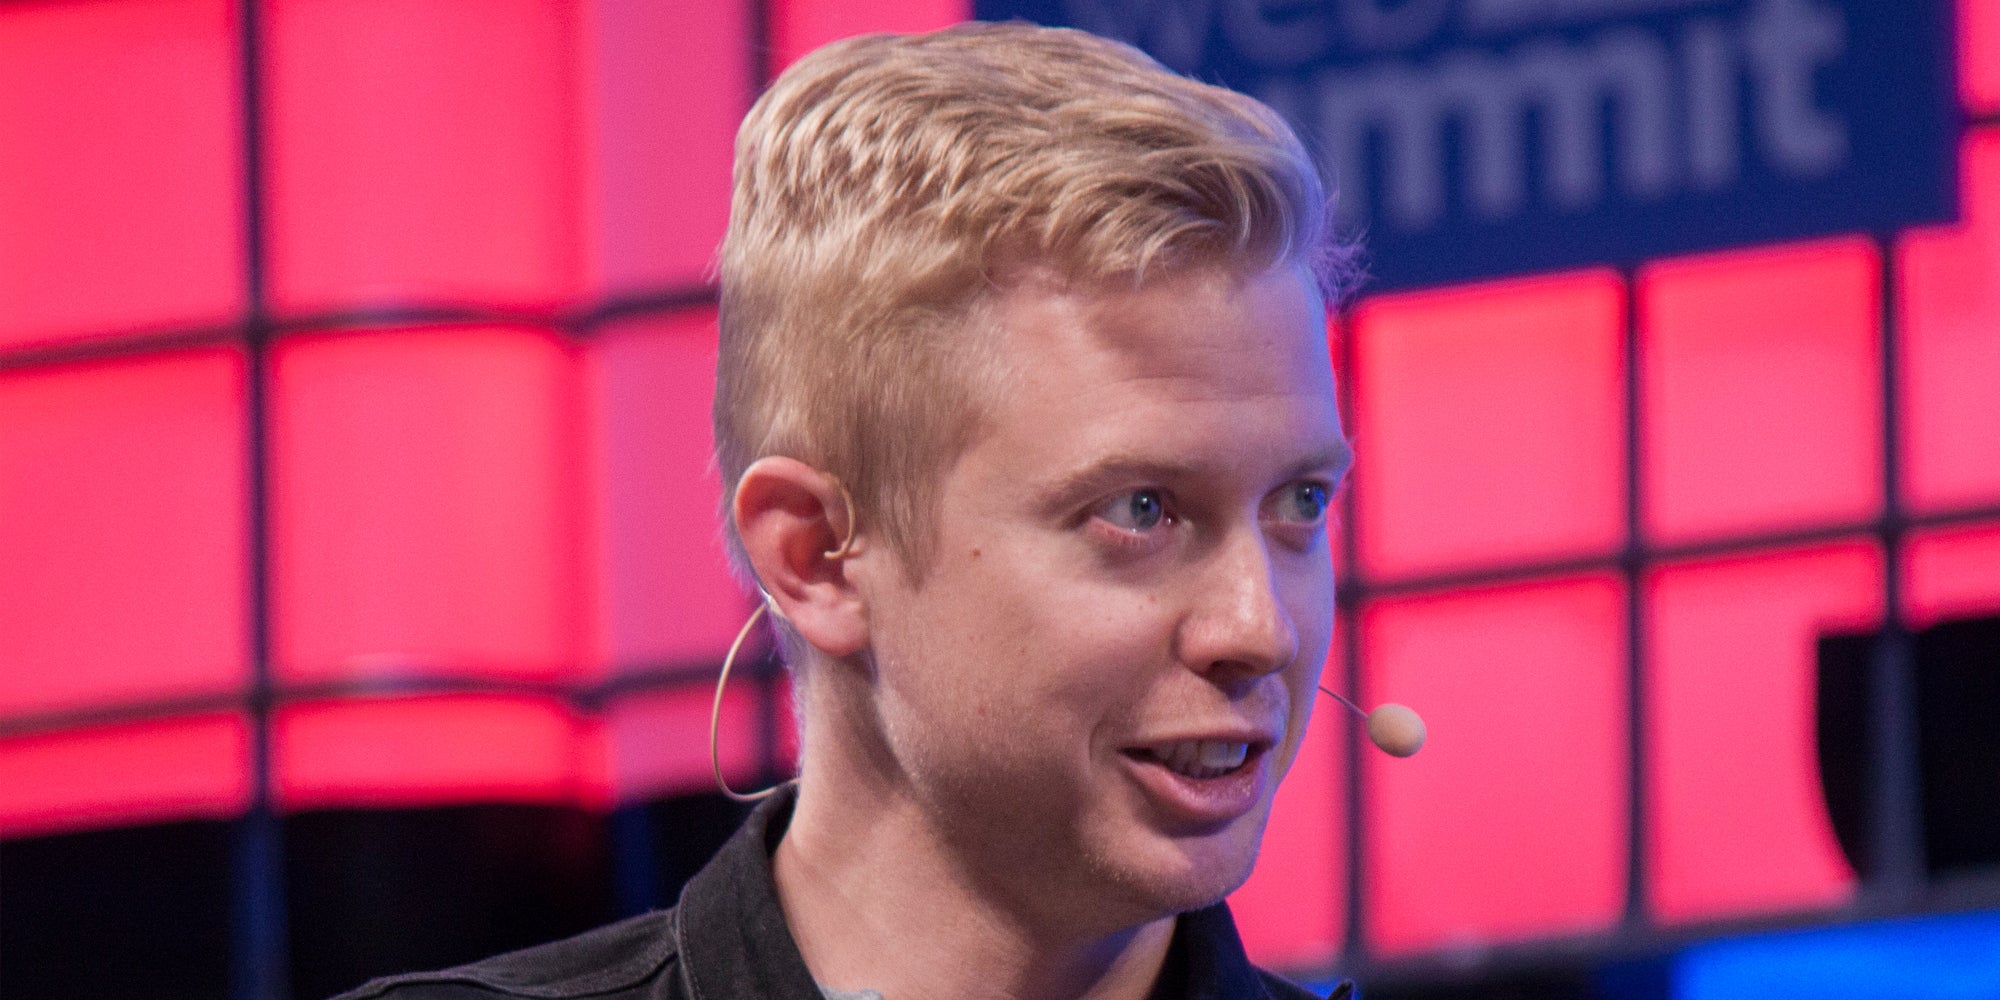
(832, 994)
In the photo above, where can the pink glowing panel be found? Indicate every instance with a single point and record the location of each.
(1950, 316)
(659, 739)
(118, 175)
(122, 527)
(1293, 910)
(668, 596)
(1739, 826)
(1489, 423)
(667, 82)
(1762, 389)
(425, 511)
(422, 150)
(432, 750)
(1510, 823)
(800, 26)
(1979, 54)
(192, 767)
(1953, 573)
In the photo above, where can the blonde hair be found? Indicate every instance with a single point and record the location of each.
(885, 185)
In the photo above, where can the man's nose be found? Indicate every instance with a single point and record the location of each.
(1239, 627)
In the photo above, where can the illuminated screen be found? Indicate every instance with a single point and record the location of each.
(354, 455)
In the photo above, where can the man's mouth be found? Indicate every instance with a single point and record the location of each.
(1197, 758)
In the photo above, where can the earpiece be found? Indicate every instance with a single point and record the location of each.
(765, 605)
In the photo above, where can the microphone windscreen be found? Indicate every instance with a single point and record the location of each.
(1396, 729)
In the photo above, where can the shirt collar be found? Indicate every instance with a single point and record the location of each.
(735, 945)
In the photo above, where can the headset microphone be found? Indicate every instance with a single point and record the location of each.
(1395, 728)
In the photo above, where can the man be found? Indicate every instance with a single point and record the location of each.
(1028, 424)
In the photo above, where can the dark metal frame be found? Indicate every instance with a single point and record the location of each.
(259, 945)
(1897, 885)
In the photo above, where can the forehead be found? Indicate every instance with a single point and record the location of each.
(1204, 363)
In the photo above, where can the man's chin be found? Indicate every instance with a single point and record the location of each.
(1183, 874)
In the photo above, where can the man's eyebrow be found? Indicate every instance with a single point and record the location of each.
(1333, 461)
(1336, 459)
(1080, 484)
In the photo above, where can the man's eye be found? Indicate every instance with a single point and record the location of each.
(1139, 510)
(1303, 503)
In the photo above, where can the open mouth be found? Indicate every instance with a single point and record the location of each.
(1199, 759)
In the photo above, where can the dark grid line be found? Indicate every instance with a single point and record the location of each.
(1348, 599)
(581, 324)
(48, 355)
(768, 671)
(1896, 844)
(1632, 567)
(589, 699)
(259, 954)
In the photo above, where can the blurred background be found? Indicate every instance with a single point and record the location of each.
(361, 592)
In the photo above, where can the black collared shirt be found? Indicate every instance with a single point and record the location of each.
(727, 940)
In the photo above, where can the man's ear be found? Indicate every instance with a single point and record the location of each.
(795, 521)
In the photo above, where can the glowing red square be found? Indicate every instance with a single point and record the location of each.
(122, 530)
(1979, 54)
(1739, 825)
(1950, 320)
(425, 511)
(1953, 573)
(800, 26)
(1546, 854)
(1489, 424)
(149, 772)
(1293, 911)
(422, 150)
(431, 750)
(668, 83)
(667, 593)
(119, 170)
(1762, 389)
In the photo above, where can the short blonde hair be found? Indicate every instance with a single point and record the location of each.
(884, 185)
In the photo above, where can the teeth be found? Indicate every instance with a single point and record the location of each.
(1202, 758)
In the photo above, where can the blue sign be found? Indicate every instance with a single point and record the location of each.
(1470, 138)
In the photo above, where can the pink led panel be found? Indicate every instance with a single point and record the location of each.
(1979, 54)
(1489, 424)
(1293, 910)
(118, 170)
(194, 766)
(1761, 389)
(800, 26)
(422, 149)
(1950, 317)
(122, 500)
(668, 596)
(425, 511)
(667, 84)
(1952, 573)
(659, 739)
(1511, 821)
(430, 750)
(1739, 823)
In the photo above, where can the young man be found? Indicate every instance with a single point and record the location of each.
(1028, 421)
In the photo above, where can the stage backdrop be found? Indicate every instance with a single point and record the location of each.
(358, 548)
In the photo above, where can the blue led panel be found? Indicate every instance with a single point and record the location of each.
(1936, 958)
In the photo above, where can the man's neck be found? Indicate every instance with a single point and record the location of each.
(890, 911)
